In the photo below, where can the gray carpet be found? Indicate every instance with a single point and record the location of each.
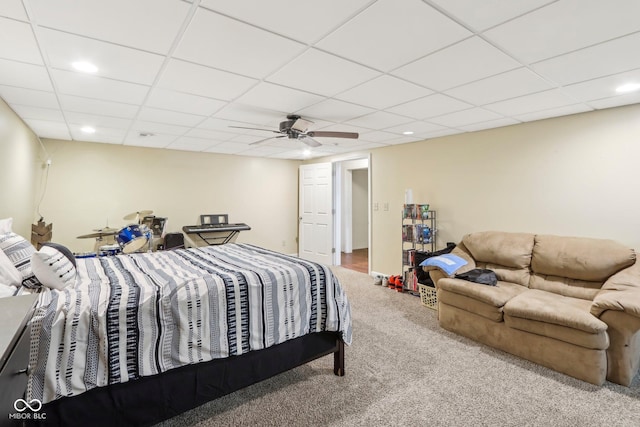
(404, 370)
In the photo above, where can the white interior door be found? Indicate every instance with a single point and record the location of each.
(315, 230)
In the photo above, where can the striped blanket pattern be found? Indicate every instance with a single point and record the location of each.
(131, 316)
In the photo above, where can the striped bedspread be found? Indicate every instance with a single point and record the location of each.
(131, 316)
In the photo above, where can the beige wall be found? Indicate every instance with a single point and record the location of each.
(22, 161)
(93, 183)
(575, 175)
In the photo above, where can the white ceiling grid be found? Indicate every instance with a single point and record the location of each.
(185, 71)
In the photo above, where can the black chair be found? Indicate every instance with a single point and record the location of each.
(173, 241)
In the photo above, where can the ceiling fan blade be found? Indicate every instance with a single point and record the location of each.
(267, 130)
(309, 141)
(327, 134)
(301, 125)
(267, 139)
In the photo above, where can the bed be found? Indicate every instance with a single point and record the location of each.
(143, 337)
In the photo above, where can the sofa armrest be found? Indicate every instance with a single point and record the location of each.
(436, 273)
(621, 292)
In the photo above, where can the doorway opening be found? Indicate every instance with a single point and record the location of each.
(352, 202)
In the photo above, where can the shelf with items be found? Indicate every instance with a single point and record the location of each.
(418, 234)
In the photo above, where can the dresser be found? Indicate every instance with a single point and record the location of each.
(15, 313)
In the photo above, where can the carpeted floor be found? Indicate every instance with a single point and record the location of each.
(404, 370)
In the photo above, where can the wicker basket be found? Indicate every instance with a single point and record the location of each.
(428, 296)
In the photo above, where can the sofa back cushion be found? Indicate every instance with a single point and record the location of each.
(576, 266)
(507, 254)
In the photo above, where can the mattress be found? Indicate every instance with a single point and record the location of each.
(136, 315)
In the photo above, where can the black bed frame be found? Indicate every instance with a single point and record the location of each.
(149, 400)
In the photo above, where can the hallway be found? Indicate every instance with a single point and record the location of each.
(357, 260)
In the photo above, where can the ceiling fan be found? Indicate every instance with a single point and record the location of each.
(296, 127)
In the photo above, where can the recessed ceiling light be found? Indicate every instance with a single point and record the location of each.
(629, 87)
(88, 129)
(407, 132)
(85, 67)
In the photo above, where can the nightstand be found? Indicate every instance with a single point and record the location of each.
(15, 313)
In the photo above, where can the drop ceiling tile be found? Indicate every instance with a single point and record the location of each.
(382, 92)
(18, 42)
(113, 61)
(37, 113)
(97, 107)
(261, 151)
(144, 24)
(616, 101)
(102, 134)
(248, 114)
(203, 81)
(430, 106)
(464, 62)
(441, 133)
(335, 111)
(417, 127)
(592, 62)
(47, 129)
(79, 84)
(23, 75)
(209, 135)
(465, 117)
(158, 128)
(249, 139)
(250, 51)
(322, 73)
(564, 26)
(377, 137)
(604, 87)
(507, 85)
(156, 141)
(305, 21)
(222, 125)
(192, 144)
(553, 112)
(93, 120)
(184, 102)
(489, 124)
(532, 103)
(379, 120)
(36, 98)
(228, 148)
(385, 36)
(278, 98)
(169, 117)
(13, 9)
(487, 13)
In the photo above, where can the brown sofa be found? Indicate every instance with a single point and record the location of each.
(569, 303)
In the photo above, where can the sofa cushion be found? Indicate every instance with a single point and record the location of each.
(486, 301)
(580, 258)
(547, 307)
(507, 254)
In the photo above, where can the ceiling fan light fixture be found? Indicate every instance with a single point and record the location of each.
(84, 66)
(629, 87)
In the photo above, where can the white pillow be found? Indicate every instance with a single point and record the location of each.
(9, 274)
(54, 266)
(6, 225)
(19, 251)
(7, 291)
